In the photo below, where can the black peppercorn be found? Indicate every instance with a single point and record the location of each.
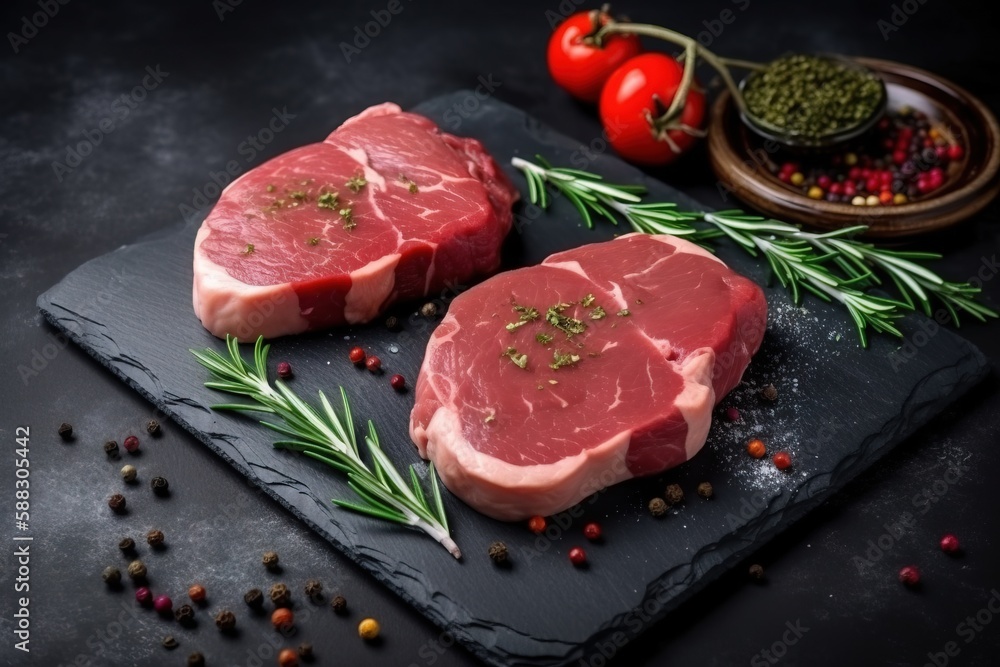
(280, 595)
(270, 559)
(498, 552)
(339, 604)
(306, 651)
(170, 643)
(137, 570)
(66, 431)
(153, 427)
(155, 538)
(705, 490)
(111, 449)
(756, 571)
(160, 486)
(254, 598)
(657, 507)
(127, 545)
(770, 392)
(429, 309)
(112, 576)
(196, 660)
(392, 323)
(674, 494)
(184, 614)
(313, 588)
(225, 620)
(117, 503)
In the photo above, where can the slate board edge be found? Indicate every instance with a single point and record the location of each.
(912, 416)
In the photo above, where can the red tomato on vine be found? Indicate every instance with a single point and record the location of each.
(633, 103)
(579, 65)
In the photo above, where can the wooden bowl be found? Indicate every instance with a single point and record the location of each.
(741, 160)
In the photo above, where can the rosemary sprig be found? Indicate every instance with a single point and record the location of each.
(833, 266)
(329, 437)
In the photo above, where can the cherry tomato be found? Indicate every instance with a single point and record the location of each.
(629, 102)
(582, 68)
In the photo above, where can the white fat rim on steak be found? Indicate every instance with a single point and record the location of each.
(267, 310)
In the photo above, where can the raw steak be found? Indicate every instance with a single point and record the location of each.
(637, 398)
(388, 207)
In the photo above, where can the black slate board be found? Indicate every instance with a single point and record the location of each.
(839, 409)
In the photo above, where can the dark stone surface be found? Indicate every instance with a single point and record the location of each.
(474, 601)
(225, 79)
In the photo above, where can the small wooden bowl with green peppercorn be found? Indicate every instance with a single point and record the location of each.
(751, 166)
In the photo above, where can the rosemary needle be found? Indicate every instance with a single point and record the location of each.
(833, 266)
(329, 437)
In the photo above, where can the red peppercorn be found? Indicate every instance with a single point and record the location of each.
(885, 197)
(949, 544)
(398, 382)
(836, 188)
(955, 152)
(592, 531)
(163, 604)
(284, 370)
(899, 157)
(782, 460)
(288, 658)
(536, 524)
(131, 443)
(823, 181)
(909, 575)
(374, 364)
(197, 593)
(784, 176)
(143, 595)
(756, 448)
(732, 414)
(577, 556)
(357, 355)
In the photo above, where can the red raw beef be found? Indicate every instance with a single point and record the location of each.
(679, 330)
(277, 256)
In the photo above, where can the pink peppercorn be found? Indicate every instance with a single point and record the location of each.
(909, 575)
(284, 370)
(732, 414)
(143, 595)
(163, 604)
(949, 544)
(131, 443)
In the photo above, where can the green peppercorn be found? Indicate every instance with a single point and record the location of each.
(170, 643)
(196, 660)
(770, 393)
(270, 559)
(153, 427)
(127, 545)
(313, 588)
(225, 620)
(137, 570)
(339, 604)
(112, 576)
(705, 490)
(280, 595)
(254, 598)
